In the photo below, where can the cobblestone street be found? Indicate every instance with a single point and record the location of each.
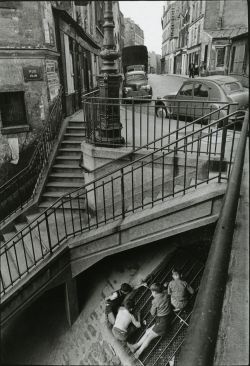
(41, 335)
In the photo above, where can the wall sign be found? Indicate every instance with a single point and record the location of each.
(32, 73)
(52, 78)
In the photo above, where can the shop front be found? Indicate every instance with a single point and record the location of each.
(78, 61)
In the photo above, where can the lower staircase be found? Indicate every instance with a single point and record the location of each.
(165, 350)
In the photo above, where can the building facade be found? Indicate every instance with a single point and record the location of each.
(44, 45)
(211, 34)
(170, 29)
(133, 34)
(154, 64)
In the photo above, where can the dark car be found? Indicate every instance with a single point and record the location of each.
(198, 96)
(135, 85)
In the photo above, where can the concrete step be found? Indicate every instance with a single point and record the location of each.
(9, 235)
(32, 241)
(74, 205)
(75, 123)
(69, 152)
(20, 256)
(9, 271)
(74, 136)
(67, 177)
(61, 186)
(66, 168)
(53, 196)
(67, 160)
(71, 144)
(60, 224)
(75, 129)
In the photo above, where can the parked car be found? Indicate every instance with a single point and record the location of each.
(199, 96)
(135, 84)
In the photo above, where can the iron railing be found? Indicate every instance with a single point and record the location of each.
(140, 121)
(20, 190)
(142, 183)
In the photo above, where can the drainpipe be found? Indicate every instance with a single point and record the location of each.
(199, 345)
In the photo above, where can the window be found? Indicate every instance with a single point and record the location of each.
(68, 44)
(200, 90)
(232, 87)
(187, 89)
(220, 56)
(232, 59)
(12, 109)
(244, 66)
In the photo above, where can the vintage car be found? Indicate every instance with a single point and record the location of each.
(135, 85)
(199, 96)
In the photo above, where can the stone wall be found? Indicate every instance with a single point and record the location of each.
(27, 42)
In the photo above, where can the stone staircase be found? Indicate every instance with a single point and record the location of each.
(66, 175)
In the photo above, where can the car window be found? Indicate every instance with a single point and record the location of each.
(200, 90)
(135, 77)
(186, 89)
(231, 87)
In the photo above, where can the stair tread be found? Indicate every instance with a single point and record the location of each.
(71, 142)
(63, 184)
(68, 134)
(65, 166)
(54, 194)
(76, 127)
(66, 175)
(69, 157)
(67, 149)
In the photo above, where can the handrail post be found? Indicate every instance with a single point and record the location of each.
(122, 193)
(200, 341)
(133, 124)
(48, 232)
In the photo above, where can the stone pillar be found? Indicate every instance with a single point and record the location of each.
(71, 300)
(109, 131)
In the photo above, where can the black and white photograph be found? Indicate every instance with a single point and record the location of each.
(124, 183)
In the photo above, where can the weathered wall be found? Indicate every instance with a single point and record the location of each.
(235, 13)
(20, 24)
(27, 40)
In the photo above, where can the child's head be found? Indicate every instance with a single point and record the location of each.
(126, 288)
(129, 304)
(176, 274)
(156, 288)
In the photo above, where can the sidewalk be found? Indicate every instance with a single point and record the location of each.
(233, 336)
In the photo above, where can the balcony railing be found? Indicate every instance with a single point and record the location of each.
(20, 190)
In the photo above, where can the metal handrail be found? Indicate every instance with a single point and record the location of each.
(200, 342)
(48, 129)
(33, 155)
(146, 146)
(93, 182)
(50, 212)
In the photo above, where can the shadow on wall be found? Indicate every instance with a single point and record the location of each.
(9, 170)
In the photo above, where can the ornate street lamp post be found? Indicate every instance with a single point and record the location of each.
(109, 129)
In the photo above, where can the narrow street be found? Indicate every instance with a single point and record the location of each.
(164, 84)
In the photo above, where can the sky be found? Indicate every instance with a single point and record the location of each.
(147, 14)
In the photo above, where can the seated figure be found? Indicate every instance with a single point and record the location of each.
(124, 319)
(114, 301)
